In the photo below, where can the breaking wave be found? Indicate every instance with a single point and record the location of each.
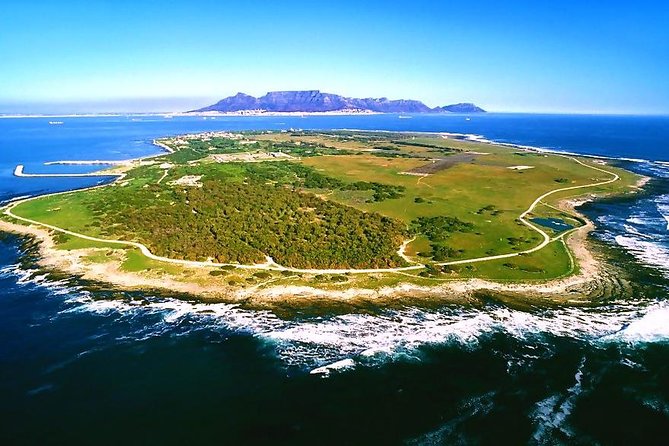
(324, 345)
(648, 252)
(551, 414)
(663, 208)
(645, 233)
(641, 228)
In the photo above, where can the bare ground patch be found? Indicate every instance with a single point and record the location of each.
(437, 165)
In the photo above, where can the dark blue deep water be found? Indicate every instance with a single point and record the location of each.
(80, 364)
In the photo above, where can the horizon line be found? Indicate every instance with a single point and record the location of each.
(8, 115)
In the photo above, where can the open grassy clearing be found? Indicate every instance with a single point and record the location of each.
(484, 192)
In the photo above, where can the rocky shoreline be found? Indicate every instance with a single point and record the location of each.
(590, 280)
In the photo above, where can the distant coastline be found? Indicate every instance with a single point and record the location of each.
(315, 101)
(77, 115)
(208, 114)
(279, 113)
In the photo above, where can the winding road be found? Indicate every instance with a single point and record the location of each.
(271, 265)
(546, 238)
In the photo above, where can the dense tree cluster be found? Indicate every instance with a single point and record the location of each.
(437, 229)
(306, 150)
(228, 145)
(380, 192)
(298, 175)
(439, 253)
(245, 211)
(242, 222)
(425, 146)
(490, 209)
(385, 154)
(218, 144)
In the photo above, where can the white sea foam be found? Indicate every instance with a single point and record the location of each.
(651, 327)
(643, 218)
(657, 405)
(657, 169)
(649, 253)
(366, 339)
(11, 200)
(22, 276)
(662, 204)
(551, 414)
(27, 277)
(41, 389)
(604, 219)
(636, 220)
(627, 362)
(448, 433)
(633, 160)
(340, 342)
(632, 230)
(344, 364)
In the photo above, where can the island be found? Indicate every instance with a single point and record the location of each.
(317, 102)
(285, 215)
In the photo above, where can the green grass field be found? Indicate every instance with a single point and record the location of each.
(485, 195)
(485, 192)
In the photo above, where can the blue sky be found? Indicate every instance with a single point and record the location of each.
(581, 56)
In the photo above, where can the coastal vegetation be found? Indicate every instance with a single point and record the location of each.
(328, 202)
(242, 222)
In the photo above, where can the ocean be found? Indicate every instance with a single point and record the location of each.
(82, 363)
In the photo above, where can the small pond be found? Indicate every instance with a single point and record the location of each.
(556, 224)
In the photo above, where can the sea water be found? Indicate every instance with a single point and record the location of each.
(91, 365)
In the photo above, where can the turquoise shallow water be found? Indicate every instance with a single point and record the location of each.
(82, 366)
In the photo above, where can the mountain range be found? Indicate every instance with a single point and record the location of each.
(309, 101)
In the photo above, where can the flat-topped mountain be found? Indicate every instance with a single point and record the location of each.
(309, 101)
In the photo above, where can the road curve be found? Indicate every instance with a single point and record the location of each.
(270, 265)
(546, 238)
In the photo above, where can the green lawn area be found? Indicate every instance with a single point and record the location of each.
(67, 211)
(487, 193)
(135, 261)
(69, 242)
